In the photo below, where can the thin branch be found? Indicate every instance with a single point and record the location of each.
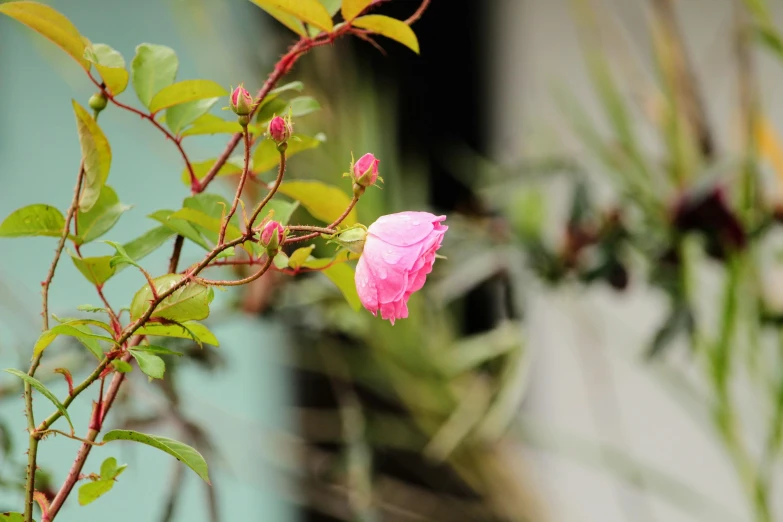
(240, 187)
(272, 191)
(74, 437)
(337, 221)
(174, 261)
(419, 12)
(238, 282)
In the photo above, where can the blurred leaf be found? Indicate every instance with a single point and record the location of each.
(680, 320)
(200, 169)
(153, 68)
(46, 338)
(187, 330)
(281, 260)
(211, 124)
(353, 8)
(90, 308)
(152, 365)
(332, 6)
(189, 302)
(110, 469)
(281, 210)
(324, 202)
(50, 24)
(182, 452)
(157, 350)
(303, 105)
(96, 154)
(299, 256)
(342, 275)
(308, 11)
(390, 28)
(181, 227)
(185, 91)
(284, 18)
(121, 366)
(291, 86)
(209, 223)
(180, 116)
(90, 491)
(110, 65)
(267, 157)
(35, 383)
(271, 106)
(33, 220)
(101, 217)
(12, 517)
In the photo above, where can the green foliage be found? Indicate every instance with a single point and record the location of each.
(96, 154)
(352, 8)
(110, 65)
(90, 491)
(187, 330)
(152, 69)
(266, 156)
(231, 167)
(11, 517)
(51, 24)
(157, 350)
(70, 329)
(179, 226)
(186, 303)
(324, 202)
(390, 28)
(342, 276)
(101, 217)
(291, 12)
(38, 385)
(152, 365)
(180, 116)
(183, 92)
(182, 452)
(33, 220)
(211, 124)
(121, 366)
(299, 256)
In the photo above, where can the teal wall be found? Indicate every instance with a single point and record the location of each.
(242, 405)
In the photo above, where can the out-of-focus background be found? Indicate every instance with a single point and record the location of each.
(602, 343)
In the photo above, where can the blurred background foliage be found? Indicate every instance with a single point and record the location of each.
(427, 420)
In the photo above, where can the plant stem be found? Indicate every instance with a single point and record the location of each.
(336, 222)
(272, 191)
(240, 187)
(174, 261)
(32, 449)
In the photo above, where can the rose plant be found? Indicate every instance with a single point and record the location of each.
(394, 254)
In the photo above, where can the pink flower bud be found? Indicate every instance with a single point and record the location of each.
(272, 236)
(365, 171)
(279, 130)
(241, 101)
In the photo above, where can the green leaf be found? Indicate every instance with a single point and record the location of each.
(182, 452)
(153, 68)
(342, 275)
(101, 217)
(286, 19)
(322, 201)
(33, 220)
(187, 330)
(390, 28)
(71, 329)
(121, 366)
(200, 169)
(209, 223)
(121, 257)
(299, 106)
(38, 385)
(96, 154)
(272, 106)
(353, 8)
(152, 365)
(211, 124)
(97, 270)
(189, 302)
(157, 350)
(90, 308)
(110, 469)
(321, 263)
(181, 227)
(281, 260)
(12, 517)
(185, 91)
(291, 86)
(282, 210)
(50, 24)
(111, 66)
(147, 243)
(300, 255)
(267, 157)
(308, 11)
(182, 115)
(303, 105)
(332, 6)
(90, 491)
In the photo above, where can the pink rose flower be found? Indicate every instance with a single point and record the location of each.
(279, 130)
(241, 101)
(399, 252)
(272, 236)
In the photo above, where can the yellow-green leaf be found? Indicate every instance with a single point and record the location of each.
(342, 275)
(284, 18)
(187, 330)
(91, 491)
(51, 24)
(299, 256)
(154, 67)
(200, 169)
(110, 65)
(211, 124)
(390, 28)
(266, 156)
(33, 220)
(206, 221)
(322, 201)
(96, 154)
(188, 302)
(38, 385)
(353, 8)
(185, 91)
(308, 11)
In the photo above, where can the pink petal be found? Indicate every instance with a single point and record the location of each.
(404, 228)
(365, 286)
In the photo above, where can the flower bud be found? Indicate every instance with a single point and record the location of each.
(279, 130)
(241, 101)
(272, 236)
(365, 171)
(352, 239)
(98, 102)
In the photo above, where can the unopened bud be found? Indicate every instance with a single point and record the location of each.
(279, 130)
(272, 236)
(352, 239)
(241, 101)
(98, 102)
(365, 171)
